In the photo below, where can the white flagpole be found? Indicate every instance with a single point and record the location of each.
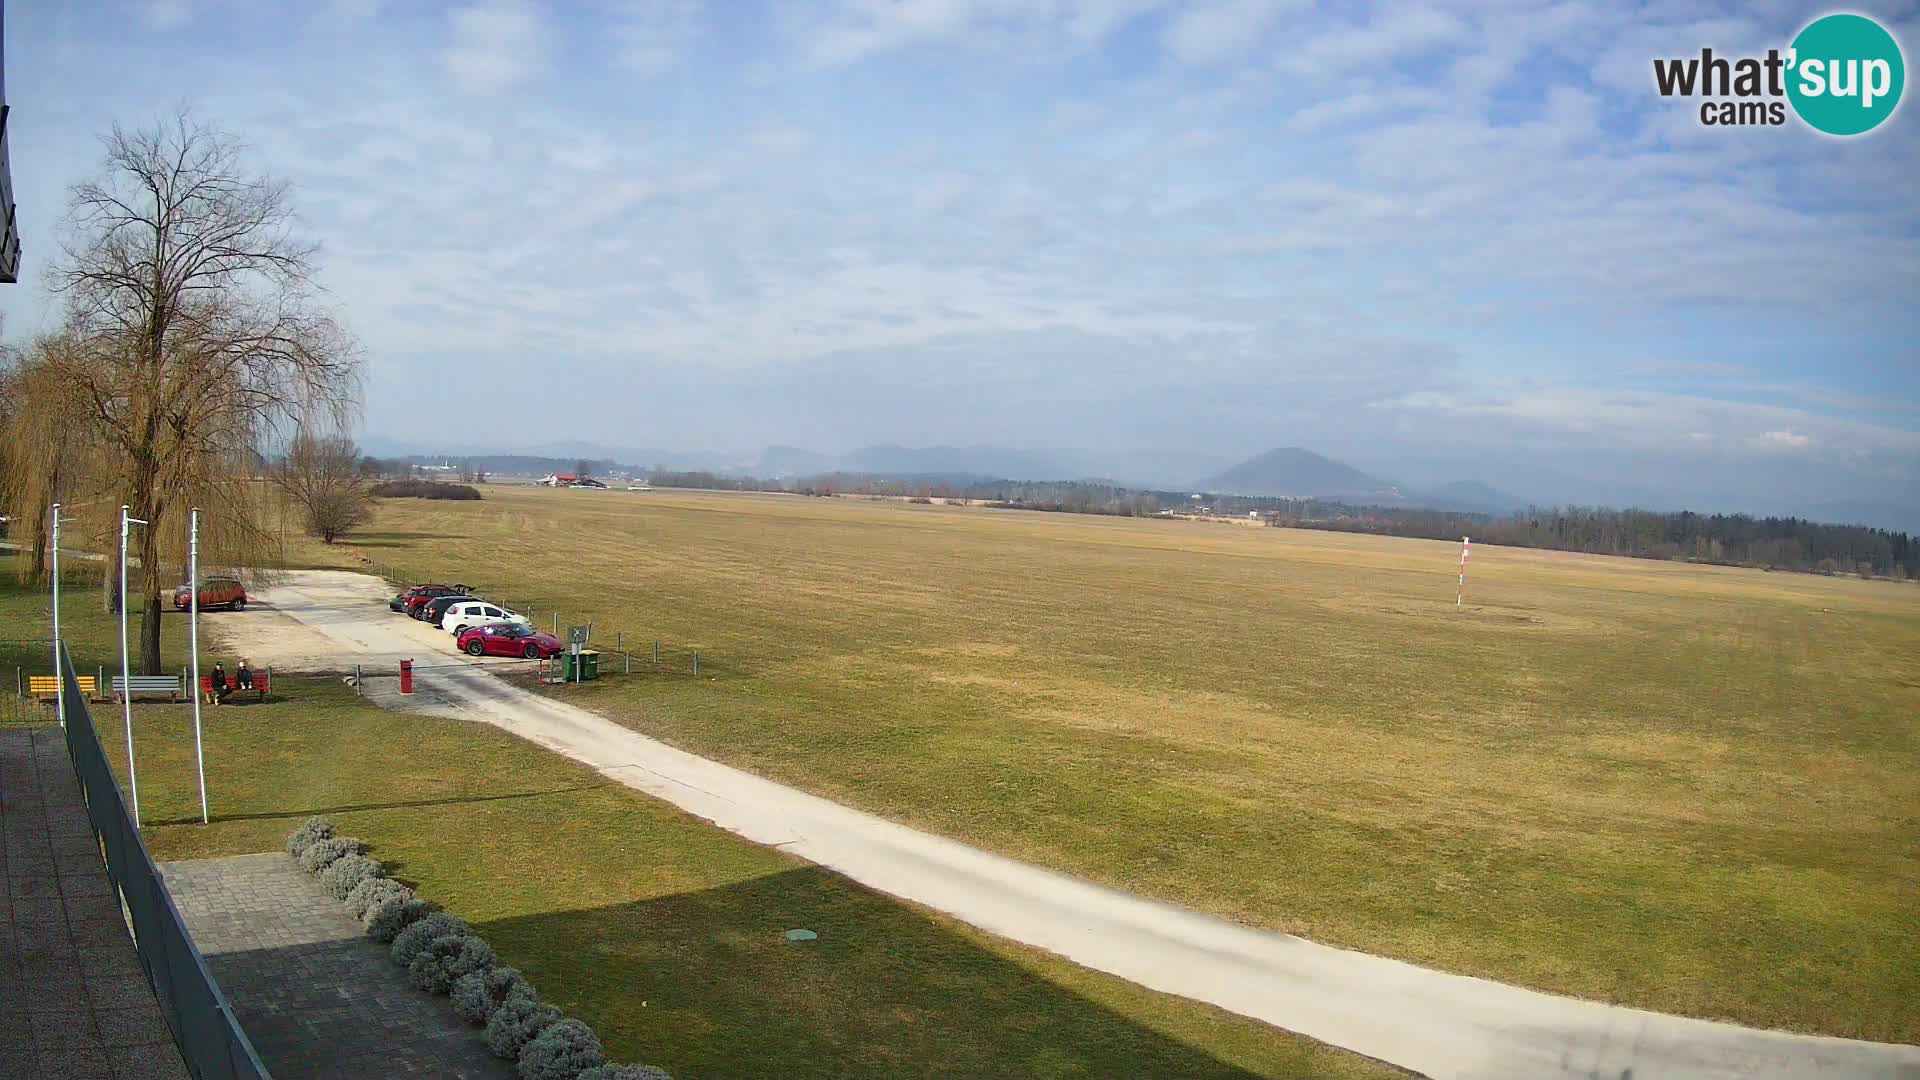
(126, 671)
(193, 619)
(59, 675)
(1466, 547)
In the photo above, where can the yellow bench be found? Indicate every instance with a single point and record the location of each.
(48, 686)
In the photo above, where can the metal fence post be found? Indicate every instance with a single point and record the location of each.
(696, 663)
(629, 658)
(656, 650)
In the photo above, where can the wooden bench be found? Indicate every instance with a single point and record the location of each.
(147, 685)
(47, 687)
(262, 682)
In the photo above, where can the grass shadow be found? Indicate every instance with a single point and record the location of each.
(704, 984)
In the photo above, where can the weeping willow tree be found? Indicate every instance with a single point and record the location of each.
(194, 335)
(49, 452)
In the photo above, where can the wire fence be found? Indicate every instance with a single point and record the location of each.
(204, 1027)
(623, 650)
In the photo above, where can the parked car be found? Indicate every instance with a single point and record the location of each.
(399, 601)
(477, 613)
(223, 592)
(509, 639)
(417, 606)
(418, 596)
(436, 609)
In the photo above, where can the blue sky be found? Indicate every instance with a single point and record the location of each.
(1443, 241)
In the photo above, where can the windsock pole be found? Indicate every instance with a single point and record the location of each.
(1466, 549)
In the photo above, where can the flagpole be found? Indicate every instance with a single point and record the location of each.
(59, 674)
(193, 620)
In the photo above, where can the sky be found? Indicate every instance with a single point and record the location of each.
(1444, 242)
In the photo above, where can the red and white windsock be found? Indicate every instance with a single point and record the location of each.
(1466, 549)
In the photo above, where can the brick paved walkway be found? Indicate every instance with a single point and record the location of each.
(316, 997)
(74, 1002)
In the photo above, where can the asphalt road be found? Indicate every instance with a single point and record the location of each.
(1446, 1026)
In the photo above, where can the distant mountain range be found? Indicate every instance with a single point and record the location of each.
(1285, 471)
(1293, 472)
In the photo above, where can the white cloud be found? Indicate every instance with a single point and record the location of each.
(653, 36)
(496, 45)
(1791, 440)
(1217, 30)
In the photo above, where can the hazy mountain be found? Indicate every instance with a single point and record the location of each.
(1467, 496)
(783, 461)
(1291, 470)
(890, 459)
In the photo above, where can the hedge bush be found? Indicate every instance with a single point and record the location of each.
(424, 489)
(314, 828)
(562, 1051)
(345, 874)
(476, 995)
(371, 892)
(446, 959)
(410, 942)
(514, 1024)
(625, 1072)
(321, 853)
(387, 918)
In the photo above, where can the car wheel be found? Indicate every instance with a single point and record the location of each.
(458, 630)
(239, 605)
(531, 652)
(476, 647)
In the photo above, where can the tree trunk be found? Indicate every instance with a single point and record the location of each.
(42, 528)
(149, 579)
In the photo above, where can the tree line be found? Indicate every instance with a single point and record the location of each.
(1776, 543)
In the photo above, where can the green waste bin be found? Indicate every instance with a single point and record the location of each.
(582, 668)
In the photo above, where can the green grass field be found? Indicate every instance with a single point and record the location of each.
(663, 932)
(1692, 789)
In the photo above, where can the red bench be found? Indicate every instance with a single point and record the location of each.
(262, 682)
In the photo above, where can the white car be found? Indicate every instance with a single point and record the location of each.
(477, 613)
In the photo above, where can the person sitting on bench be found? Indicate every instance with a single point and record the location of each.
(217, 684)
(244, 676)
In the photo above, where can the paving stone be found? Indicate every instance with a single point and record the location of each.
(316, 998)
(55, 893)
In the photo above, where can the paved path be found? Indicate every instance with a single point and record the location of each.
(73, 1000)
(1447, 1026)
(315, 996)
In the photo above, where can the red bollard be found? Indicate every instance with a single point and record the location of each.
(406, 676)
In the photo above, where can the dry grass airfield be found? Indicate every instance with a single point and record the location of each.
(1692, 789)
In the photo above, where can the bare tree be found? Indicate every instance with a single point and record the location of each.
(197, 334)
(322, 477)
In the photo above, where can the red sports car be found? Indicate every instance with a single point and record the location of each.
(510, 639)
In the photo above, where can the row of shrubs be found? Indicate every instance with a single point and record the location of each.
(425, 489)
(442, 954)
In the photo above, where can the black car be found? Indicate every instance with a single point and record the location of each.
(435, 609)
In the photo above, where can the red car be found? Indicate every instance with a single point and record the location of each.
(421, 595)
(223, 592)
(510, 639)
